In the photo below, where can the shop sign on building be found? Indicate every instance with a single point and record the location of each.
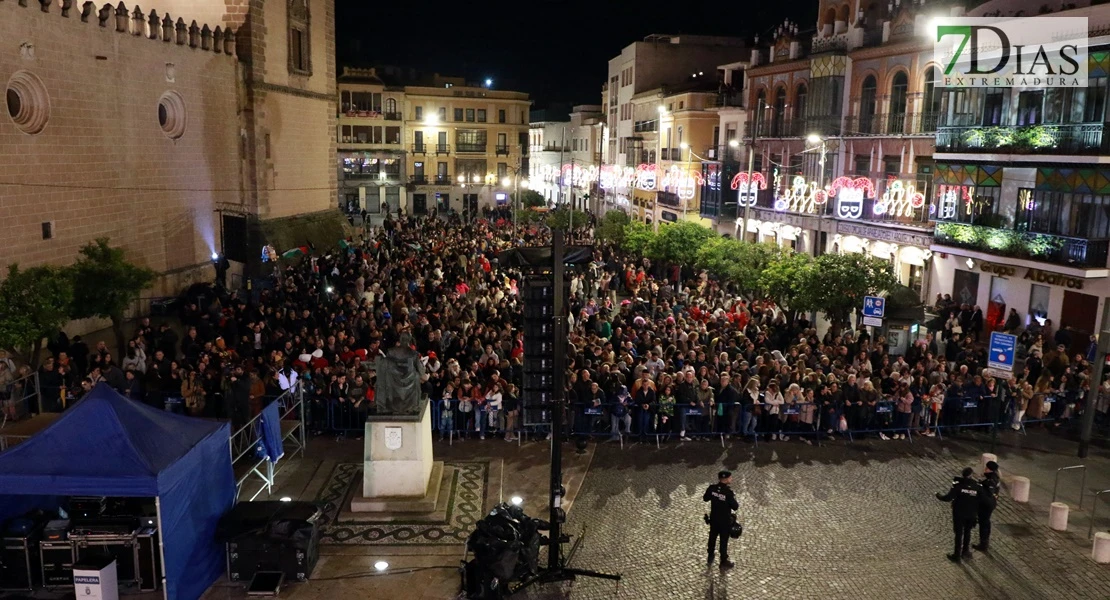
(883, 234)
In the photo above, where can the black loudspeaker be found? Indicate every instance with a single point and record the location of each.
(271, 536)
(148, 560)
(19, 562)
(539, 347)
(236, 242)
(57, 560)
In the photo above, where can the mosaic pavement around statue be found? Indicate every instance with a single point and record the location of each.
(463, 498)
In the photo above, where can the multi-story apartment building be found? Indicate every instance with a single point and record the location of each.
(1022, 199)
(371, 154)
(565, 155)
(721, 188)
(466, 143)
(850, 109)
(688, 127)
(416, 143)
(650, 64)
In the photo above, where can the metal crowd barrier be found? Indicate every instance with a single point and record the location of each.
(805, 420)
(334, 417)
(247, 462)
(1082, 484)
(21, 403)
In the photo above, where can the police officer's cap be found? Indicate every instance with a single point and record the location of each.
(724, 474)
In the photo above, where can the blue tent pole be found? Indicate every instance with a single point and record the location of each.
(161, 545)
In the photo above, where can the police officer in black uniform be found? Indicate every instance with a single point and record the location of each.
(991, 485)
(965, 496)
(721, 504)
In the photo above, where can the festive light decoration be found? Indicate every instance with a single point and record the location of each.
(683, 182)
(850, 193)
(949, 199)
(746, 190)
(802, 196)
(645, 177)
(900, 199)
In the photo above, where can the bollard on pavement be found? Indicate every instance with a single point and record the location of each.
(1019, 489)
(1101, 549)
(1058, 516)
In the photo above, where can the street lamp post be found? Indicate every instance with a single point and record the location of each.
(751, 167)
(814, 138)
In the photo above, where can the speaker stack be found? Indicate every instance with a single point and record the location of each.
(539, 348)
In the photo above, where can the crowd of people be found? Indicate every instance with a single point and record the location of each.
(654, 351)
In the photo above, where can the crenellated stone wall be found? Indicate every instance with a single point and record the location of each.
(124, 123)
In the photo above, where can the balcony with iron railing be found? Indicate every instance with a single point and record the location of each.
(393, 116)
(872, 36)
(1041, 247)
(362, 175)
(418, 179)
(732, 98)
(880, 211)
(1067, 138)
(443, 148)
(796, 128)
(443, 180)
(669, 199)
(502, 150)
(890, 124)
(419, 148)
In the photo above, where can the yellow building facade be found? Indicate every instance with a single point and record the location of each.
(442, 144)
(468, 146)
(688, 129)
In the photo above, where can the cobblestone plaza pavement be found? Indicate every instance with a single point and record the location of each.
(842, 520)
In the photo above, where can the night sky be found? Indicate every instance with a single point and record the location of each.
(556, 50)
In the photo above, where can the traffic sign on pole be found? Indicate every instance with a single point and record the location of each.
(874, 307)
(1001, 353)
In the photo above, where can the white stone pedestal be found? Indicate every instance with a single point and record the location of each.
(397, 463)
(1019, 489)
(1058, 516)
(1101, 549)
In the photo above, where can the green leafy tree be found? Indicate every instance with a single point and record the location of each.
(756, 259)
(787, 279)
(839, 282)
(613, 226)
(36, 303)
(722, 257)
(565, 218)
(532, 199)
(106, 284)
(678, 243)
(637, 237)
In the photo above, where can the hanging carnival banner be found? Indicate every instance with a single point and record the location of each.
(646, 177)
(802, 196)
(747, 190)
(850, 193)
(684, 183)
(901, 199)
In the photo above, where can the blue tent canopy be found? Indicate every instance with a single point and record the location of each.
(107, 445)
